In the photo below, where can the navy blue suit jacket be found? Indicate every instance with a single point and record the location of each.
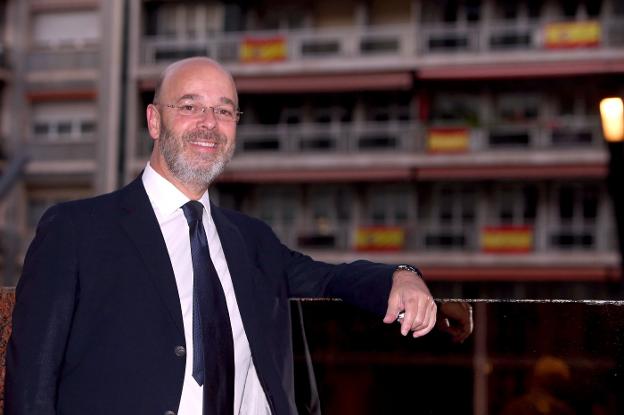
(97, 318)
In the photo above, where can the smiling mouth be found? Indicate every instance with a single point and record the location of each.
(209, 144)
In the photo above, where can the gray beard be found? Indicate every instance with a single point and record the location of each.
(184, 170)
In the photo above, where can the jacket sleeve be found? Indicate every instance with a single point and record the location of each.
(46, 296)
(362, 283)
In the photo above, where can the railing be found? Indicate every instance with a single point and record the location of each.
(57, 59)
(62, 150)
(422, 236)
(405, 41)
(332, 138)
(404, 137)
(412, 137)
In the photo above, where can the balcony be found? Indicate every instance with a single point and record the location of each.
(556, 148)
(423, 237)
(56, 59)
(415, 138)
(63, 150)
(328, 138)
(407, 43)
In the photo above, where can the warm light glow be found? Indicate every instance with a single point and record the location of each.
(612, 115)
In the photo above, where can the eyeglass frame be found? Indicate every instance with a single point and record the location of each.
(203, 109)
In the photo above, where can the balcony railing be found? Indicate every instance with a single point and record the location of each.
(62, 150)
(422, 236)
(402, 41)
(324, 138)
(59, 59)
(413, 137)
(405, 137)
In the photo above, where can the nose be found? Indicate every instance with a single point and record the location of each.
(207, 119)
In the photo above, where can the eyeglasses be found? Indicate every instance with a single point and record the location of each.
(221, 112)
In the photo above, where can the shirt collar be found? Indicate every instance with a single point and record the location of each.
(164, 196)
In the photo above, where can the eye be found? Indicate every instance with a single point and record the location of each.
(224, 112)
(187, 109)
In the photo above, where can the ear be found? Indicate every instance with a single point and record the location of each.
(153, 121)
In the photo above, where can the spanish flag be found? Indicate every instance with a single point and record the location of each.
(507, 239)
(448, 140)
(380, 238)
(268, 49)
(564, 35)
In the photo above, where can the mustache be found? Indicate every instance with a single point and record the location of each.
(203, 135)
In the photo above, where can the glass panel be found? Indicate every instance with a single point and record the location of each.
(524, 357)
(87, 127)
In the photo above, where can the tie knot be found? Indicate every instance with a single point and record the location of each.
(193, 211)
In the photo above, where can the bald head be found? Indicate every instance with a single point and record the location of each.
(183, 67)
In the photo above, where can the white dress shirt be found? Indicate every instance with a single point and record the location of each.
(167, 200)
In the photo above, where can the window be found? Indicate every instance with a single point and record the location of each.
(58, 121)
(574, 216)
(455, 109)
(68, 28)
(279, 206)
(327, 218)
(449, 218)
(517, 108)
(515, 205)
(389, 205)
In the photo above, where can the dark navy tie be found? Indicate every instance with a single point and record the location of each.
(213, 348)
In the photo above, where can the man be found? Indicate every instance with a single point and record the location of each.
(105, 320)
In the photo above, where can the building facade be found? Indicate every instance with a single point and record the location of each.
(462, 136)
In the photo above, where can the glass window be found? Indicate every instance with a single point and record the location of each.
(515, 204)
(390, 205)
(449, 218)
(517, 108)
(67, 27)
(452, 108)
(593, 7)
(569, 7)
(64, 128)
(87, 127)
(574, 224)
(41, 129)
(534, 8)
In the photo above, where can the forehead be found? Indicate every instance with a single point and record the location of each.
(198, 80)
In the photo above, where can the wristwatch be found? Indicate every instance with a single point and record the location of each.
(405, 267)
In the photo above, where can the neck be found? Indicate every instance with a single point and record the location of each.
(193, 191)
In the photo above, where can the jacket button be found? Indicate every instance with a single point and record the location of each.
(180, 351)
(170, 413)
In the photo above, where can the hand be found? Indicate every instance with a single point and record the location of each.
(410, 294)
(455, 318)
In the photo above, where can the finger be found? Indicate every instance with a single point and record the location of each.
(423, 331)
(431, 321)
(395, 306)
(428, 310)
(415, 316)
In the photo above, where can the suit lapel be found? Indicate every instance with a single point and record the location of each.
(140, 223)
(241, 270)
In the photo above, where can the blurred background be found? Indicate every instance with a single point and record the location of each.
(462, 136)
